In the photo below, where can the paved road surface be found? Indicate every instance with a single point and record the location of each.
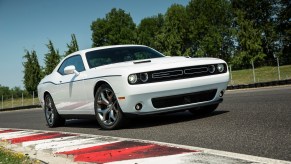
(255, 122)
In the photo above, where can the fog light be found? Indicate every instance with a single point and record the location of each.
(138, 106)
(221, 93)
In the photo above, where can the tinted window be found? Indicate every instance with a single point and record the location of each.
(74, 60)
(121, 54)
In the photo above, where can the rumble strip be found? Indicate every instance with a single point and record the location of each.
(60, 147)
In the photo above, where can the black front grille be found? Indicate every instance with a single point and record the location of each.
(179, 73)
(189, 98)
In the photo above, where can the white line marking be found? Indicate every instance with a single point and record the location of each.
(30, 143)
(62, 144)
(19, 134)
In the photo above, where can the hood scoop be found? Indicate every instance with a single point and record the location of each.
(143, 61)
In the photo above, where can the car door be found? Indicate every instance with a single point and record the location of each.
(72, 95)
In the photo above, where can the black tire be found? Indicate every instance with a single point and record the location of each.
(52, 116)
(204, 110)
(107, 109)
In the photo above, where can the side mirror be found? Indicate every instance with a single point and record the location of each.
(70, 70)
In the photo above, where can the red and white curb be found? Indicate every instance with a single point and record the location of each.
(60, 147)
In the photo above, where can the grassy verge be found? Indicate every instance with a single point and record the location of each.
(263, 74)
(18, 102)
(9, 157)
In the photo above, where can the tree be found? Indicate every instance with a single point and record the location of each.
(16, 92)
(5, 92)
(174, 31)
(27, 70)
(32, 72)
(52, 58)
(116, 28)
(284, 30)
(73, 46)
(249, 42)
(148, 30)
(263, 15)
(210, 29)
(99, 32)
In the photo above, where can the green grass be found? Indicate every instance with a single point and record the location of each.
(263, 74)
(9, 157)
(18, 102)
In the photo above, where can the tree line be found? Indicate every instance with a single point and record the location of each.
(16, 92)
(33, 72)
(238, 31)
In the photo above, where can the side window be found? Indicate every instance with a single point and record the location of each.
(62, 67)
(75, 61)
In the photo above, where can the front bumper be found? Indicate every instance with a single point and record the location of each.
(148, 95)
(177, 109)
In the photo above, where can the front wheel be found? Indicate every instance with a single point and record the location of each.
(52, 116)
(204, 110)
(107, 109)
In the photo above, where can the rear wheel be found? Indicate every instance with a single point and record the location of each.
(204, 110)
(107, 109)
(52, 116)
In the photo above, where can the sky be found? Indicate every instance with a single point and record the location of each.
(30, 24)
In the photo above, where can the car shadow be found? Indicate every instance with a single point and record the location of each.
(146, 121)
(165, 119)
(82, 123)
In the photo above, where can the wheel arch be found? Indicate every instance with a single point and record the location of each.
(46, 93)
(43, 98)
(98, 84)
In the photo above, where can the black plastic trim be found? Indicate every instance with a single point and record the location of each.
(177, 109)
(78, 116)
(184, 99)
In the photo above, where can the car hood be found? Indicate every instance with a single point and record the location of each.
(158, 64)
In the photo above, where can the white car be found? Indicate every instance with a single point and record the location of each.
(112, 82)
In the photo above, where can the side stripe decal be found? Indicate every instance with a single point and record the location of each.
(50, 82)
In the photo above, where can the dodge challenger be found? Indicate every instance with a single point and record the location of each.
(111, 83)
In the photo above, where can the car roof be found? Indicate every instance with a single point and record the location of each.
(105, 47)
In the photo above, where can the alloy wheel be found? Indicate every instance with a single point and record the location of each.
(107, 107)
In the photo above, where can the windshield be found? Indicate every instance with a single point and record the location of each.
(120, 54)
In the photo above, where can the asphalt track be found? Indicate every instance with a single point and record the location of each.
(255, 122)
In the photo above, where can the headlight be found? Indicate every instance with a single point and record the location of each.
(144, 77)
(211, 69)
(132, 78)
(220, 67)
